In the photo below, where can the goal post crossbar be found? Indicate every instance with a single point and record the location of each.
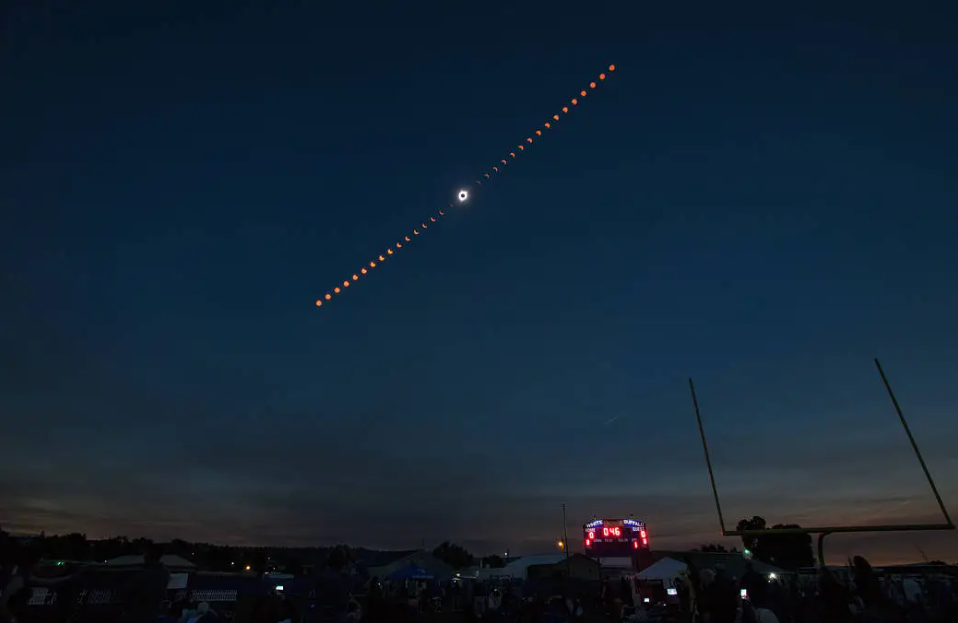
(823, 531)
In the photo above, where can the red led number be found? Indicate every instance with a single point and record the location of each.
(611, 531)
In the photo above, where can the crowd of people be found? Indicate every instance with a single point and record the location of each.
(139, 596)
(861, 596)
(857, 594)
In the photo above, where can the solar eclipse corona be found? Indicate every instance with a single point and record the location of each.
(464, 195)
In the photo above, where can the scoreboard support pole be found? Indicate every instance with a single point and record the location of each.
(565, 542)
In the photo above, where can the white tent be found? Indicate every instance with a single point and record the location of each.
(665, 569)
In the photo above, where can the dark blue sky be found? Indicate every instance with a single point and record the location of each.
(762, 200)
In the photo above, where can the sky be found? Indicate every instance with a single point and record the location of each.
(759, 198)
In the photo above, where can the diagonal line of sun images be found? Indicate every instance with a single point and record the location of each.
(463, 195)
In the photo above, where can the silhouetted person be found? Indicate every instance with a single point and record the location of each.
(867, 586)
(722, 598)
(16, 592)
(750, 578)
(833, 599)
(757, 607)
(146, 590)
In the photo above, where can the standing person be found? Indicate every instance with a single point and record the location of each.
(16, 594)
(146, 590)
(17, 581)
(722, 597)
(833, 599)
(868, 590)
(756, 608)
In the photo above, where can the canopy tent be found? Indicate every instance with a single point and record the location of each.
(664, 569)
(411, 572)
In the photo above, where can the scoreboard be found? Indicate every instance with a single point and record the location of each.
(615, 538)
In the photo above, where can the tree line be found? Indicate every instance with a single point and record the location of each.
(786, 551)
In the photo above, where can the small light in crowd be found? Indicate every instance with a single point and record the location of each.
(560, 544)
(772, 576)
(247, 567)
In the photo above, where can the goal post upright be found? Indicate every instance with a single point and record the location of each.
(914, 444)
(823, 531)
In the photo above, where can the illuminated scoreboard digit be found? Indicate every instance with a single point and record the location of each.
(615, 538)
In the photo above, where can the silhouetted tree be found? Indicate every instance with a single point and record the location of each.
(294, 566)
(221, 559)
(788, 551)
(454, 555)
(755, 523)
(112, 548)
(74, 546)
(339, 557)
(260, 564)
(180, 547)
(494, 562)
